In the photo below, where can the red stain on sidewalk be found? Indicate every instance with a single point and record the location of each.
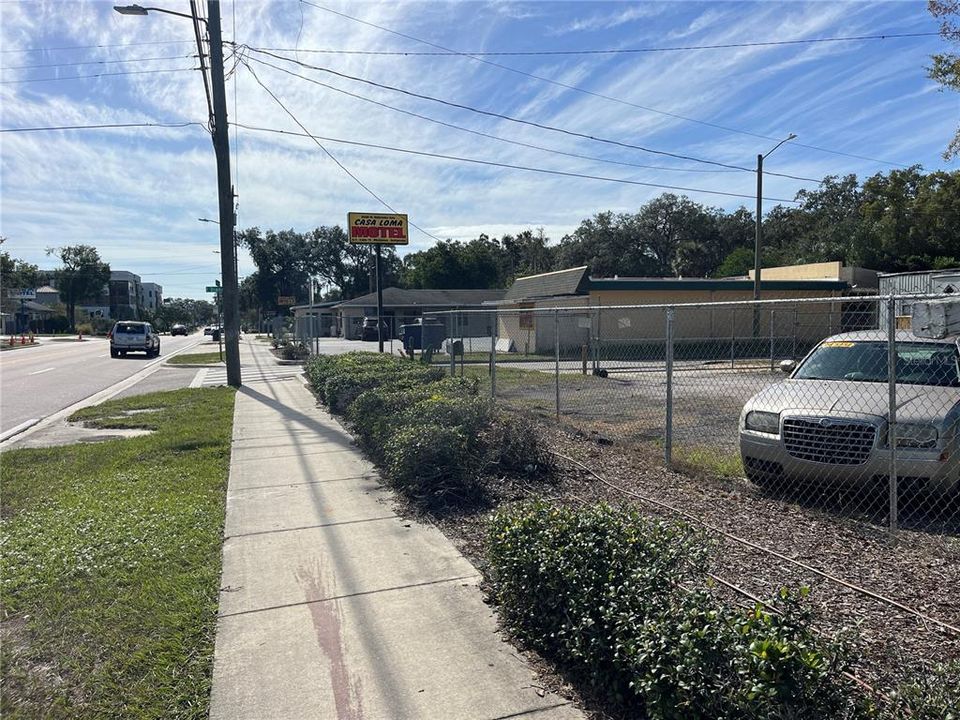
(327, 624)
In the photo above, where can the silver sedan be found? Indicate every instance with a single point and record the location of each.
(829, 422)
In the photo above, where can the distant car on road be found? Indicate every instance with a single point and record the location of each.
(208, 330)
(178, 330)
(829, 422)
(128, 336)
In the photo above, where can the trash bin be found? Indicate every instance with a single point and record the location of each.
(417, 336)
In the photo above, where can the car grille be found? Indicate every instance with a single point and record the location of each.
(830, 441)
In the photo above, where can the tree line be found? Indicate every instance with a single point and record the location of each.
(898, 221)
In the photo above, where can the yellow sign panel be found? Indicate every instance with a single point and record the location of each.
(377, 229)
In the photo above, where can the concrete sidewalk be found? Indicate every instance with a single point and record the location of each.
(331, 605)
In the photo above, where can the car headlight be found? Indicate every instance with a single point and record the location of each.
(760, 421)
(915, 435)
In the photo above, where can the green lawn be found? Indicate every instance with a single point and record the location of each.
(111, 563)
(208, 358)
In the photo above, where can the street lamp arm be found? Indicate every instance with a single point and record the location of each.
(140, 10)
(789, 137)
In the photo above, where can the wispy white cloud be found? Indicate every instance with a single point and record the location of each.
(609, 21)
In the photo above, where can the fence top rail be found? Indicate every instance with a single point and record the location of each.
(772, 303)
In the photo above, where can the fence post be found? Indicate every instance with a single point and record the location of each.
(556, 357)
(796, 323)
(453, 332)
(668, 430)
(733, 334)
(493, 356)
(892, 410)
(773, 315)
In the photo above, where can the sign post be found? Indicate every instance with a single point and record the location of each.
(217, 291)
(378, 229)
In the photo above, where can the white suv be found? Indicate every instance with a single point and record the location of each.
(128, 336)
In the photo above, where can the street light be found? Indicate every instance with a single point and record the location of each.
(139, 10)
(221, 147)
(759, 236)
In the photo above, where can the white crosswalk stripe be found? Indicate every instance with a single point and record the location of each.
(253, 374)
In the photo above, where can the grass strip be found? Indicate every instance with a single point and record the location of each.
(110, 567)
(208, 358)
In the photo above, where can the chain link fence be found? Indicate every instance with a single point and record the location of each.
(806, 399)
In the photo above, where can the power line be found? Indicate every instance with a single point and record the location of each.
(592, 93)
(330, 155)
(509, 166)
(483, 134)
(614, 51)
(95, 47)
(104, 126)
(95, 62)
(530, 123)
(98, 75)
(203, 68)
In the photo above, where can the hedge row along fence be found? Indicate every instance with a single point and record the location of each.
(436, 440)
(621, 602)
(625, 603)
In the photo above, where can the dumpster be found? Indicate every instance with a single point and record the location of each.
(418, 335)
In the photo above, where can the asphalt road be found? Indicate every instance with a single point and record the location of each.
(39, 381)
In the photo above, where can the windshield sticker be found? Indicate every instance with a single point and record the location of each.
(838, 343)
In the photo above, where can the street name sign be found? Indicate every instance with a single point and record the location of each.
(378, 229)
(214, 288)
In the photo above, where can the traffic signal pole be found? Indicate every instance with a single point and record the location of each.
(221, 146)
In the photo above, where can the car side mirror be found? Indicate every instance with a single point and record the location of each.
(788, 366)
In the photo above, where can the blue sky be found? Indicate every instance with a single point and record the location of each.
(136, 194)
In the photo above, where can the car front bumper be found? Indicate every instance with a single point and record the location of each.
(765, 456)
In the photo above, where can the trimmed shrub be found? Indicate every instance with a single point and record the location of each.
(620, 600)
(432, 463)
(933, 694)
(514, 445)
(377, 413)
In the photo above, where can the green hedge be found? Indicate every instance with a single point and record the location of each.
(435, 438)
(622, 601)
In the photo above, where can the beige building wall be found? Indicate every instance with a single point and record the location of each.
(699, 315)
(709, 320)
(835, 270)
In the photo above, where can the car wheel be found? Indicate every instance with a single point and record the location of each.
(156, 353)
(114, 353)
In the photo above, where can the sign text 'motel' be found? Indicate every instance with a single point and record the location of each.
(378, 229)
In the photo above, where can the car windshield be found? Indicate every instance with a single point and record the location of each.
(128, 329)
(917, 363)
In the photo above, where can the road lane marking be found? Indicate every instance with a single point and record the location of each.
(199, 378)
(40, 372)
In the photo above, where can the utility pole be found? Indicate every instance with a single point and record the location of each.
(221, 146)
